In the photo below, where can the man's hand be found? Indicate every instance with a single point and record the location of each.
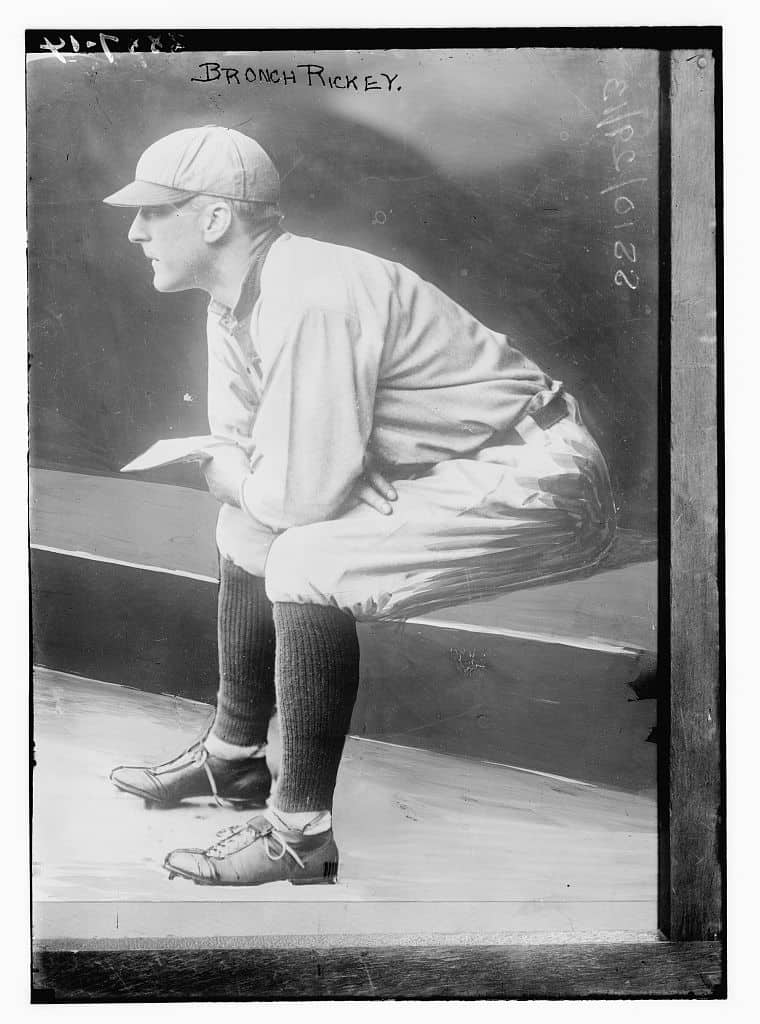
(225, 472)
(373, 489)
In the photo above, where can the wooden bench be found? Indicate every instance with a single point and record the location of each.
(553, 678)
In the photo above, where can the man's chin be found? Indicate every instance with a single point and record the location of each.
(162, 285)
(163, 282)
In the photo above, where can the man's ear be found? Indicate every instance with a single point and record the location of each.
(216, 221)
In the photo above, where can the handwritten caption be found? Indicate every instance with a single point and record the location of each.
(620, 122)
(148, 44)
(312, 75)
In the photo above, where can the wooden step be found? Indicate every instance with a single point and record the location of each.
(431, 846)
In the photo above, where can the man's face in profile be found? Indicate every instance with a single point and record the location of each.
(171, 238)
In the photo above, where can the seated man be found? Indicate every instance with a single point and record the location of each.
(322, 360)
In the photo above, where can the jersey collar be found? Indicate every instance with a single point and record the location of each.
(251, 286)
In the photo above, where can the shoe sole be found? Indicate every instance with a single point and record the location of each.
(154, 803)
(329, 879)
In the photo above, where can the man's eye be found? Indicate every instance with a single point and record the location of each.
(154, 212)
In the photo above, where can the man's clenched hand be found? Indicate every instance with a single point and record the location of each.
(225, 473)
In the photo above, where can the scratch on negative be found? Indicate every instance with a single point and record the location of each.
(369, 977)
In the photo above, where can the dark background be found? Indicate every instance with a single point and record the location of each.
(484, 173)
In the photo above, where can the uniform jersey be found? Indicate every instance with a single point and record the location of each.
(332, 353)
(345, 353)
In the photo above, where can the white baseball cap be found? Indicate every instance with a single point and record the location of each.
(211, 160)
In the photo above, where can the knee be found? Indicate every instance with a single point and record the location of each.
(304, 568)
(309, 565)
(240, 541)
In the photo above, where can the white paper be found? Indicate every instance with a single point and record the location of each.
(175, 449)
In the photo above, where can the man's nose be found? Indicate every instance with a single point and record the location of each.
(137, 232)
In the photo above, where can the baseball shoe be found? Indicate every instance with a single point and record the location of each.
(196, 773)
(259, 852)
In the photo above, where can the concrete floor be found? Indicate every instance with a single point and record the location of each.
(432, 846)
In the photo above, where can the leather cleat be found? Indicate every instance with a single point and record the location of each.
(196, 773)
(259, 852)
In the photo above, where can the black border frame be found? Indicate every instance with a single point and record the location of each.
(692, 959)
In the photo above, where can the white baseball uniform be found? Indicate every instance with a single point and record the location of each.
(335, 353)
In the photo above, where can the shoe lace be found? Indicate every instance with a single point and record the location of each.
(195, 752)
(237, 837)
(198, 753)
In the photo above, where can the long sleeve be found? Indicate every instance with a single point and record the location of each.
(315, 417)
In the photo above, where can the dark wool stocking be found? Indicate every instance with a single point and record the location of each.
(317, 676)
(245, 701)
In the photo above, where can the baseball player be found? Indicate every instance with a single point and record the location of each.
(324, 360)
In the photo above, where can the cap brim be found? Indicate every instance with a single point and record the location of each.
(146, 193)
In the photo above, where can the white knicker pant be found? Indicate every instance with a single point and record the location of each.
(463, 530)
